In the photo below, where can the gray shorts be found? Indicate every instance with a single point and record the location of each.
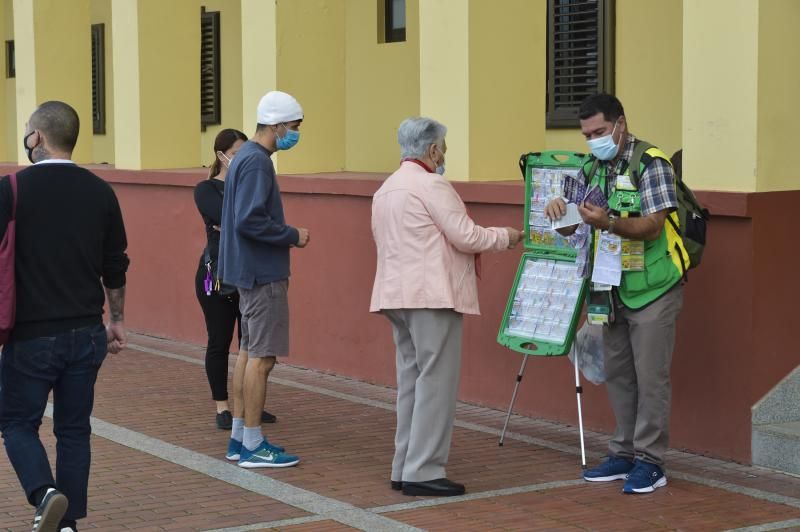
(265, 319)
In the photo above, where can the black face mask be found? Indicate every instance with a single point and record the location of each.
(28, 150)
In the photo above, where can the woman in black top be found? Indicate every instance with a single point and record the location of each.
(220, 303)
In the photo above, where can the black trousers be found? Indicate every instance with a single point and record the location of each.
(222, 315)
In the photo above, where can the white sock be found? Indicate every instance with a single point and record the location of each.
(237, 428)
(252, 438)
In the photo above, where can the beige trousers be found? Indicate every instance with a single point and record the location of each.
(638, 356)
(428, 361)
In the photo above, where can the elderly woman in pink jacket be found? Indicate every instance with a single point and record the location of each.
(424, 284)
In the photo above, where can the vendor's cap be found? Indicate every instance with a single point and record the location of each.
(277, 107)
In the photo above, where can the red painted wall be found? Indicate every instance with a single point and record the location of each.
(733, 344)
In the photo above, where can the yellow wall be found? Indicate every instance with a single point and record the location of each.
(157, 83)
(311, 66)
(649, 69)
(63, 67)
(720, 93)
(8, 88)
(507, 80)
(382, 87)
(25, 82)
(169, 67)
(103, 149)
(231, 73)
(259, 57)
(126, 106)
(444, 76)
(648, 77)
(778, 89)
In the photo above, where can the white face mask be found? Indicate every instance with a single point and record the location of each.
(604, 147)
(227, 160)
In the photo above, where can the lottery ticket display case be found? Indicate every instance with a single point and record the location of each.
(548, 293)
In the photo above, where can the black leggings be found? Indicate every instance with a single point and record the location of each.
(221, 314)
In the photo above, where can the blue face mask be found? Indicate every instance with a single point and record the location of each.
(287, 141)
(440, 168)
(604, 148)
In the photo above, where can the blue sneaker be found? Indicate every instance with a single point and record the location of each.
(235, 449)
(614, 468)
(644, 478)
(263, 456)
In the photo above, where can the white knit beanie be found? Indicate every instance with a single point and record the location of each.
(277, 107)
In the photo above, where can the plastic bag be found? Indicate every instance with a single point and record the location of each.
(588, 345)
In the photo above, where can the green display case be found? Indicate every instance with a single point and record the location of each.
(547, 296)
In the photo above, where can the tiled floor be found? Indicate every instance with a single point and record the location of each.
(158, 464)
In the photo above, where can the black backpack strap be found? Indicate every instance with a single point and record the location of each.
(587, 178)
(636, 159)
(523, 162)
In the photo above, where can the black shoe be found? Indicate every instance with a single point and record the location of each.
(397, 485)
(266, 417)
(441, 487)
(50, 511)
(224, 420)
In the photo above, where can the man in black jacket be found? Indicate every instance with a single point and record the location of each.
(70, 244)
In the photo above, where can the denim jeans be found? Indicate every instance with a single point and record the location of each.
(67, 364)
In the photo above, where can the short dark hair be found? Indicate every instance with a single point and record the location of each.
(604, 103)
(59, 122)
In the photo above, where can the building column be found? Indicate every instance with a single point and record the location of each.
(259, 31)
(51, 67)
(156, 84)
(8, 115)
(444, 76)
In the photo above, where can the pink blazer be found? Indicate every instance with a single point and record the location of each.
(426, 244)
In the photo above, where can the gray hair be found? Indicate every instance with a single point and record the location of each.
(416, 134)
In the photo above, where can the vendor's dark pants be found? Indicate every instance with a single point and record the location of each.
(638, 355)
(67, 364)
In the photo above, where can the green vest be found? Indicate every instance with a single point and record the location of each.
(662, 267)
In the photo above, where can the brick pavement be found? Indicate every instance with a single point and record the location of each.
(158, 465)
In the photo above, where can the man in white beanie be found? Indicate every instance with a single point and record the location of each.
(254, 257)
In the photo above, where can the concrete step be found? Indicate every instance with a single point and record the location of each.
(782, 403)
(777, 446)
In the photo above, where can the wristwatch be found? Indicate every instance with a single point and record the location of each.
(611, 221)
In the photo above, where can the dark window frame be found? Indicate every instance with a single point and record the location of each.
(210, 85)
(576, 68)
(11, 60)
(99, 79)
(392, 34)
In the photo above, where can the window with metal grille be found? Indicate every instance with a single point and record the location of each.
(209, 68)
(580, 56)
(99, 79)
(11, 65)
(394, 20)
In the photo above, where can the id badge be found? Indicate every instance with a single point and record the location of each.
(608, 260)
(624, 183)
